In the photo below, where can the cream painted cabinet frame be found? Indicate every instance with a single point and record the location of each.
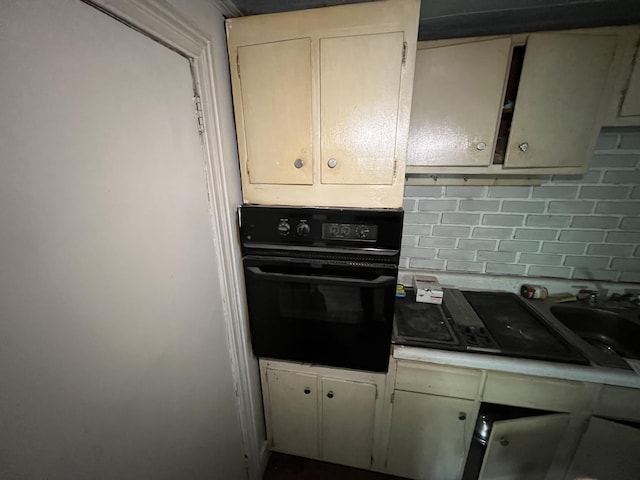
(324, 413)
(564, 86)
(322, 102)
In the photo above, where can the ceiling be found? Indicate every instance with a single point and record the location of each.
(464, 18)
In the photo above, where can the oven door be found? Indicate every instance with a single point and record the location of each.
(334, 314)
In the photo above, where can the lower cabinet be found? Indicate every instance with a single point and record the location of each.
(320, 413)
(418, 422)
(429, 435)
(608, 450)
(348, 415)
(609, 447)
(523, 448)
(293, 408)
(434, 410)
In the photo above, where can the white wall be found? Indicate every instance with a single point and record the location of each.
(114, 354)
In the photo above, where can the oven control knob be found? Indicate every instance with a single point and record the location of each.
(303, 229)
(284, 228)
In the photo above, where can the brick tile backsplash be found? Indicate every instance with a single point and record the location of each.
(573, 227)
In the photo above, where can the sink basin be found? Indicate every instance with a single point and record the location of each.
(610, 332)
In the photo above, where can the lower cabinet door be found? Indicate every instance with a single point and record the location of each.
(293, 413)
(430, 435)
(523, 448)
(348, 412)
(607, 451)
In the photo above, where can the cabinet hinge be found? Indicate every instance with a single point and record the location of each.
(199, 116)
(393, 396)
(404, 52)
(238, 64)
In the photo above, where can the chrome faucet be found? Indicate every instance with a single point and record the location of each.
(631, 297)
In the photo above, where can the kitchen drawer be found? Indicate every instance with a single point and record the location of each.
(619, 402)
(535, 392)
(438, 380)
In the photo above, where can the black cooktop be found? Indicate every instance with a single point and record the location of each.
(499, 323)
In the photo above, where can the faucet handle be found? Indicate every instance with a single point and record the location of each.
(590, 296)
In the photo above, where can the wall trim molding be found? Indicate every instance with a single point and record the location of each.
(162, 22)
(227, 8)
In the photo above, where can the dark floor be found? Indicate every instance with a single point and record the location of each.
(288, 467)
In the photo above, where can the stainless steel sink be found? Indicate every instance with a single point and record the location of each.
(614, 333)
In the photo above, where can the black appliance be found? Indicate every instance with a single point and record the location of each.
(321, 283)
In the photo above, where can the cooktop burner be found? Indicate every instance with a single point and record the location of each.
(416, 322)
(490, 322)
(518, 329)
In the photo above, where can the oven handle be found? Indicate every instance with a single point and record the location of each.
(379, 281)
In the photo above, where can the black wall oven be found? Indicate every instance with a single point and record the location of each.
(321, 283)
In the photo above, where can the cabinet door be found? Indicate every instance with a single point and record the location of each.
(560, 97)
(607, 451)
(429, 435)
(293, 412)
(348, 412)
(631, 102)
(275, 81)
(359, 98)
(457, 102)
(523, 448)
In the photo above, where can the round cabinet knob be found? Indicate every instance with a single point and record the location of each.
(523, 147)
(462, 416)
(481, 146)
(284, 228)
(503, 441)
(330, 394)
(298, 163)
(303, 229)
(307, 391)
(332, 163)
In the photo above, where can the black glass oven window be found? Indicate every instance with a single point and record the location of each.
(327, 303)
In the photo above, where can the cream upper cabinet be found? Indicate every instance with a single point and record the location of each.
(529, 104)
(359, 107)
(561, 94)
(624, 106)
(322, 101)
(457, 96)
(630, 105)
(281, 154)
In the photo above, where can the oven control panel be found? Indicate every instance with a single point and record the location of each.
(349, 231)
(321, 227)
